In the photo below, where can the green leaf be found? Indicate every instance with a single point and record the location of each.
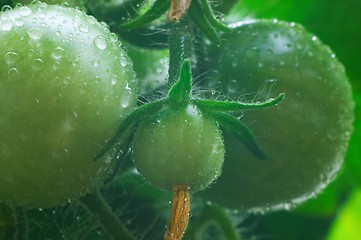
(211, 216)
(199, 18)
(239, 131)
(131, 120)
(181, 90)
(347, 224)
(207, 10)
(225, 106)
(154, 12)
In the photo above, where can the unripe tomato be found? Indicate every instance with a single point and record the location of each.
(179, 147)
(304, 137)
(65, 84)
(70, 3)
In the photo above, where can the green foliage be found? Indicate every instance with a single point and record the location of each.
(346, 225)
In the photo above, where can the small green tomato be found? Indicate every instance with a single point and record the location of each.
(179, 147)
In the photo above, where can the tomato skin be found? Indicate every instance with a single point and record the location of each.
(70, 3)
(179, 147)
(65, 85)
(304, 137)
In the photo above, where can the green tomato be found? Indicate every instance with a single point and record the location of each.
(304, 137)
(179, 147)
(70, 3)
(65, 84)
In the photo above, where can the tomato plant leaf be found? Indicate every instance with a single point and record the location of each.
(131, 120)
(211, 216)
(158, 8)
(180, 91)
(199, 18)
(206, 8)
(240, 131)
(225, 106)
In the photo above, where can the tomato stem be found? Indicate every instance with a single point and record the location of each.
(178, 8)
(180, 48)
(180, 213)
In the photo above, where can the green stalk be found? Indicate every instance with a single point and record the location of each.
(180, 48)
(97, 206)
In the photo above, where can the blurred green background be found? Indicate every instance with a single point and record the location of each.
(335, 214)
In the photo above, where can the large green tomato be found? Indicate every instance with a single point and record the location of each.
(70, 3)
(304, 137)
(65, 84)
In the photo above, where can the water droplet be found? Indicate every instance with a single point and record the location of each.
(75, 63)
(96, 63)
(272, 81)
(233, 87)
(252, 52)
(83, 28)
(108, 160)
(38, 64)
(314, 38)
(7, 24)
(126, 98)
(299, 45)
(11, 58)
(34, 33)
(25, 11)
(113, 37)
(56, 65)
(114, 81)
(100, 42)
(123, 61)
(6, 8)
(19, 23)
(13, 73)
(269, 51)
(92, 20)
(58, 53)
